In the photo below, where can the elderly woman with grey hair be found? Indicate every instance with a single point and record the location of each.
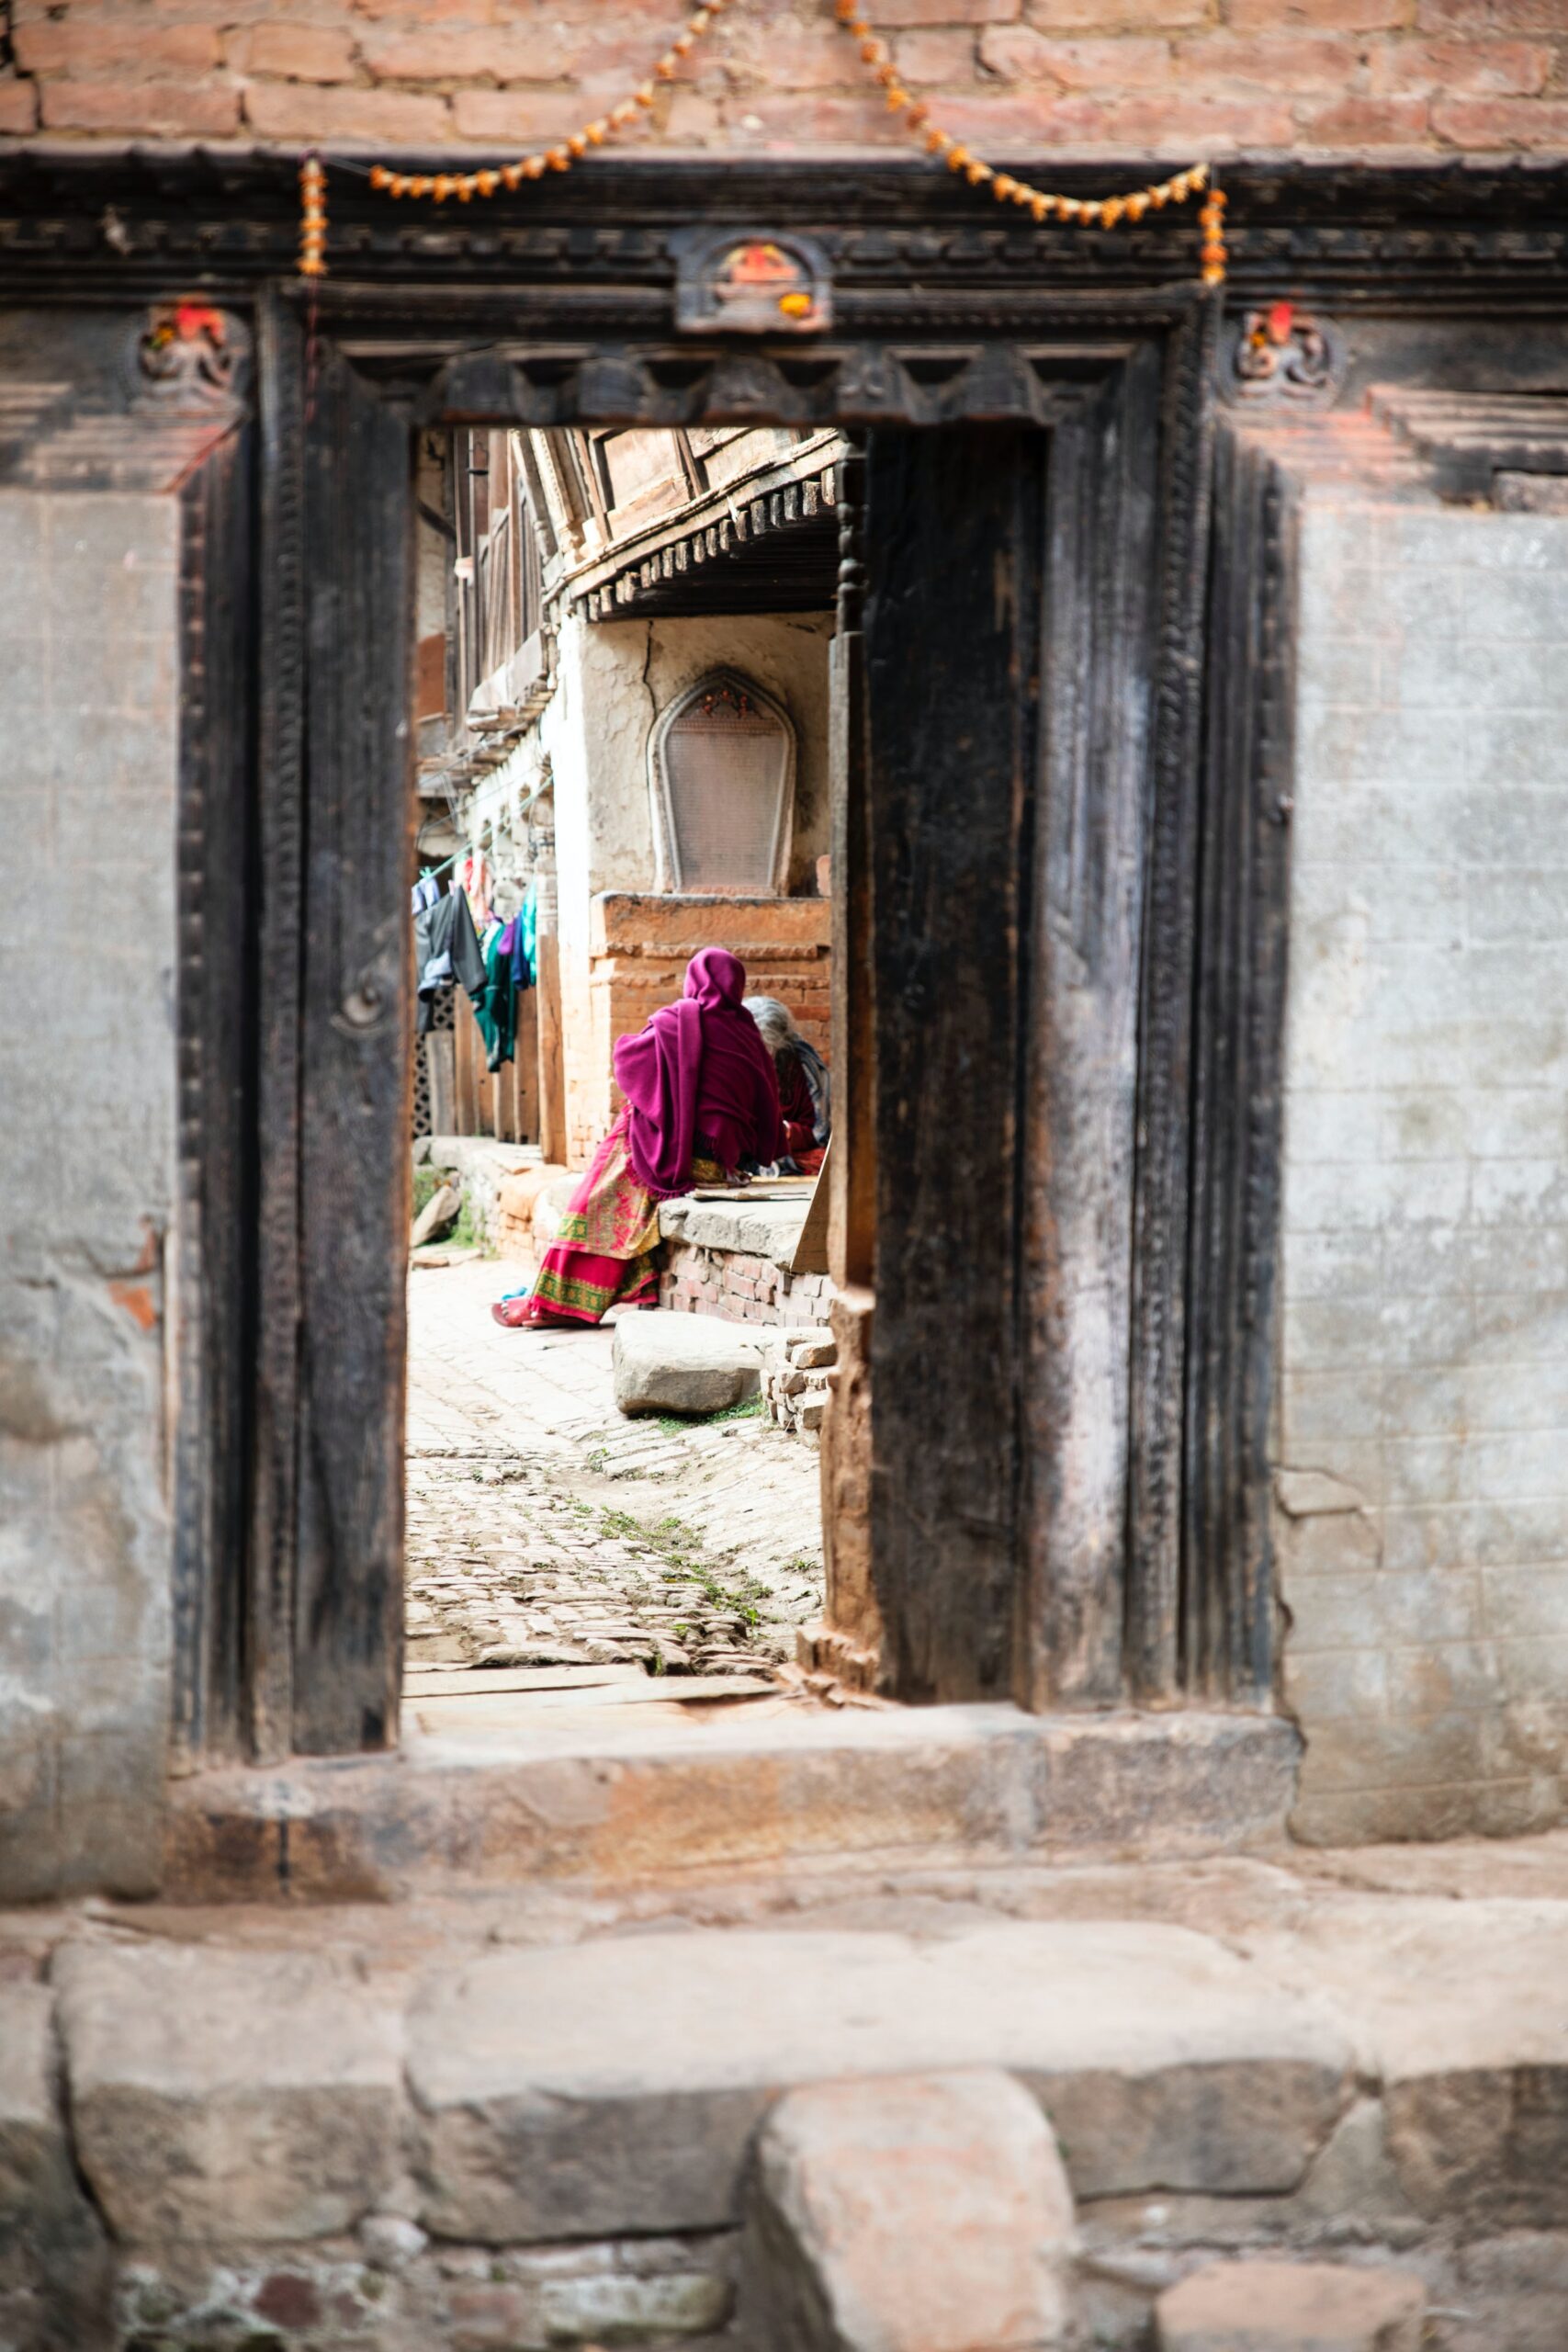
(805, 1088)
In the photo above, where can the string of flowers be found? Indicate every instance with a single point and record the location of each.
(1101, 212)
(1096, 212)
(466, 186)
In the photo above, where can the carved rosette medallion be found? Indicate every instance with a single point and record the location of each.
(189, 359)
(1281, 354)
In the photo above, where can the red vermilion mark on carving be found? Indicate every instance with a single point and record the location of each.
(137, 1301)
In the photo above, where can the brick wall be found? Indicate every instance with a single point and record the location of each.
(745, 1289)
(1424, 1390)
(1131, 76)
(88, 712)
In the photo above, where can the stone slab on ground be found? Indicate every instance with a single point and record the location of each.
(39, 2193)
(438, 1215)
(684, 1363)
(1292, 2307)
(615, 2086)
(1450, 2008)
(919, 2213)
(229, 2097)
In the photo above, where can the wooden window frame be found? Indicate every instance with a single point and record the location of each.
(668, 875)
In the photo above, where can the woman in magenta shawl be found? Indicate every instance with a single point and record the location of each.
(700, 1097)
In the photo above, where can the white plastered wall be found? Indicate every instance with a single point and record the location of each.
(89, 722)
(1423, 1533)
(613, 680)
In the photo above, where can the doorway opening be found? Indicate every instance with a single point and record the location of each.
(1011, 544)
(621, 713)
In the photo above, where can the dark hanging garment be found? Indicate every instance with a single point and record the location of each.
(495, 1007)
(446, 948)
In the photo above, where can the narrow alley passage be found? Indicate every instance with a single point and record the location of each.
(546, 1531)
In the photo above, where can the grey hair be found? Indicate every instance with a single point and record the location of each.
(772, 1019)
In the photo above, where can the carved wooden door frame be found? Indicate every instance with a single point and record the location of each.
(1092, 813)
(565, 308)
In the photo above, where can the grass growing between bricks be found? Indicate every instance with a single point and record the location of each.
(672, 1424)
(679, 1548)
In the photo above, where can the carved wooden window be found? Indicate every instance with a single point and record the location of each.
(723, 786)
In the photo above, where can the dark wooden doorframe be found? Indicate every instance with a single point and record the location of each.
(561, 306)
(1009, 1431)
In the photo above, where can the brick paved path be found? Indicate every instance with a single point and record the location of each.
(544, 1529)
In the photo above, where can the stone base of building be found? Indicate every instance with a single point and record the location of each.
(487, 2128)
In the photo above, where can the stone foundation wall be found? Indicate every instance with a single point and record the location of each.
(1422, 1528)
(1173, 77)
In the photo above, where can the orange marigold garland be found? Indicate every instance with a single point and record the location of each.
(466, 186)
(312, 217)
(1095, 212)
(1101, 212)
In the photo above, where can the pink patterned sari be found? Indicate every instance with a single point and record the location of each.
(604, 1254)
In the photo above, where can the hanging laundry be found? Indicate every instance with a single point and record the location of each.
(445, 949)
(427, 890)
(495, 1008)
(525, 945)
(476, 882)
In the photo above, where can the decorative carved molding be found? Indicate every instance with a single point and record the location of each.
(189, 359)
(771, 550)
(1281, 354)
(894, 233)
(1469, 438)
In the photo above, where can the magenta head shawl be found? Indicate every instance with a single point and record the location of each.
(698, 1068)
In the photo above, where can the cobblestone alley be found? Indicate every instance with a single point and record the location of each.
(546, 1530)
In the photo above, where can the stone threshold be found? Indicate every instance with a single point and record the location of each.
(607, 1799)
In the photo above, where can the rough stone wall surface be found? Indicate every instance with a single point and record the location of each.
(1423, 1527)
(88, 715)
(1165, 76)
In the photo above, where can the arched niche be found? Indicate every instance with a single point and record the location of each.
(721, 777)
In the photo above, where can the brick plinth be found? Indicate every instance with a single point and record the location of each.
(745, 1289)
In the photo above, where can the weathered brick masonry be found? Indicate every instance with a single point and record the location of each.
(1155, 76)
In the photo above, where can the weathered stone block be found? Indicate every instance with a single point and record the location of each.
(1457, 2006)
(615, 2086)
(666, 1363)
(917, 2214)
(226, 2097)
(1292, 2307)
(52, 2257)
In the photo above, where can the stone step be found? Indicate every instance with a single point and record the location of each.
(568, 1794)
(269, 2110)
(1292, 2307)
(616, 2086)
